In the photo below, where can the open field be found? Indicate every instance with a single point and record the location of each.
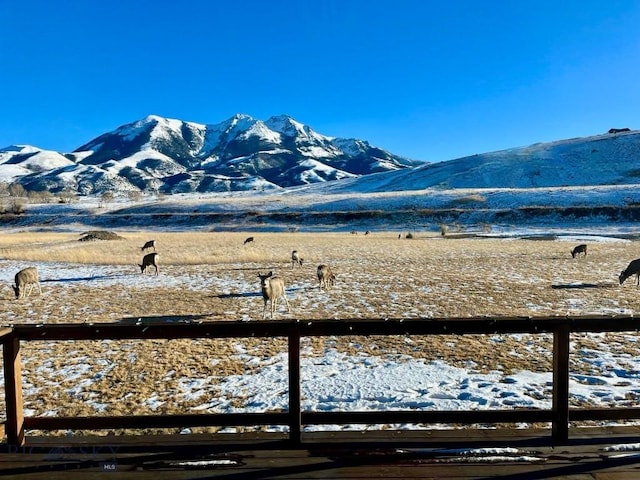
(213, 276)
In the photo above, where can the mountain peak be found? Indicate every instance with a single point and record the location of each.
(239, 121)
(153, 118)
(20, 149)
(241, 116)
(284, 123)
(288, 126)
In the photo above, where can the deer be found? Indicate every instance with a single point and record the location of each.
(582, 248)
(150, 259)
(325, 276)
(26, 279)
(632, 269)
(296, 259)
(272, 289)
(147, 245)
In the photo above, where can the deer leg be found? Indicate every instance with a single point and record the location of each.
(286, 302)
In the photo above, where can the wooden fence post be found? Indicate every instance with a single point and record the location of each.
(13, 391)
(295, 414)
(560, 425)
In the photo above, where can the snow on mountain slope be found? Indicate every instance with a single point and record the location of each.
(9, 172)
(32, 158)
(218, 135)
(19, 161)
(608, 159)
(291, 128)
(160, 154)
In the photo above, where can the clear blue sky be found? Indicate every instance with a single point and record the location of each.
(427, 79)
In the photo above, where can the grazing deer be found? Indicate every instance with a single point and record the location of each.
(325, 276)
(296, 259)
(150, 259)
(27, 277)
(149, 244)
(632, 269)
(579, 249)
(248, 240)
(272, 289)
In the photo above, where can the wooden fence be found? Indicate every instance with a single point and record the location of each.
(558, 416)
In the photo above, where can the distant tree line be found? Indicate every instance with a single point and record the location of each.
(14, 197)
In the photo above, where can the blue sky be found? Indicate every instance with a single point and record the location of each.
(430, 80)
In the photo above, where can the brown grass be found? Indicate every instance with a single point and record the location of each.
(378, 276)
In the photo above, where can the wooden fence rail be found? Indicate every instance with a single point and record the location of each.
(559, 415)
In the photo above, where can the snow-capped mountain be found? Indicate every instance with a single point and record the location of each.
(606, 159)
(158, 154)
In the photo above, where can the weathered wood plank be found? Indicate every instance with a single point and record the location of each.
(5, 331)
(155, 421)
(295, 388)
(14, 425)
(560, 424)
(335, 327)
(158, 457)
(302, 464)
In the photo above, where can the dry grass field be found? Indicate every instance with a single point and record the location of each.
(213, 276)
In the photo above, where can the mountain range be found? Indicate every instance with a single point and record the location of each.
(160, 155)
(169, 156)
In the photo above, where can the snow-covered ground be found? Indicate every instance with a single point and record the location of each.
(338, 381)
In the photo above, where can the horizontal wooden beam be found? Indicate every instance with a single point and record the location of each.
(620, 413)
(155, 421)
(277, 418)
(155, 329)
(427, 417)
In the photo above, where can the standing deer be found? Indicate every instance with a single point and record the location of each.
(582, 248)
(325, 276)
(27, 277)
(632, 269)
(149, 244)
(296, 259)
(150, 259)
(272, 289)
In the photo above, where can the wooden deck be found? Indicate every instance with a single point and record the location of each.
(507, 454)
